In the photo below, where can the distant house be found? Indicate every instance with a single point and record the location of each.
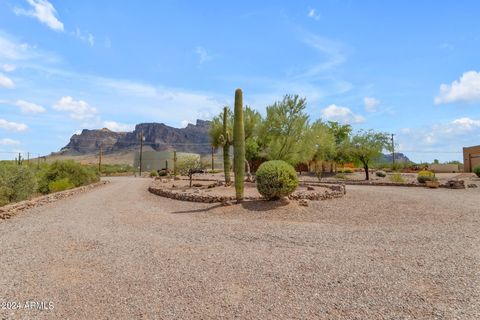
(471, 158)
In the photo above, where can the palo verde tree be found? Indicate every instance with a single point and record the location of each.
(239, 145)
(319, 142)
(366, 146)
(341, 133)
(285, 129)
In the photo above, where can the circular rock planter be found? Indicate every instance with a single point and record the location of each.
(216, 192)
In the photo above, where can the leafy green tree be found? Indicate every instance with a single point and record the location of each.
(341, 133)
(366, 146)
(284, 130)
(320, 142)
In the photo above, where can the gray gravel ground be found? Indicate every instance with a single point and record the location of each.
(119, 252)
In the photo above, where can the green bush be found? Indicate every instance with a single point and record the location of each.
(153, 173)
(17, 183)
(397, 178)
(381, 174)
(341, 175)
(186, 163)
(60, 185)
(476, 170)
(77, 174)
(276, 179)
(345, 170)
(424, 176)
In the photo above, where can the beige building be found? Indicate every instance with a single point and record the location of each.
(471, 158)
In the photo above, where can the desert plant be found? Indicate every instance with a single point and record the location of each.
(60, 185)
(78, 174)
(476, 170)
(340, 175)
(153, 174)
(424, 176)
(276, 179)
(345, 170)
(381, 174)
(226, 141)
(16, 183)
(397, 178)
(239, 145)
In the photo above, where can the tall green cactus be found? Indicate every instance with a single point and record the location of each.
(239, 145)
(226, 141)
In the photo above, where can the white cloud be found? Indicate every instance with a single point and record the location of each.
(202, 54)
(341, 114)
(333, 53)
(12, 126)
(441, 140)
(118, 127)
(8, 67)
(312, 13)
(28, 107)
(79, 110)
(8, 142)
(44, 12)
(466, 89)
(371, 104)
(6, 82)
(85, 36)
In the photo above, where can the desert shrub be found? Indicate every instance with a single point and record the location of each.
(76, 173)
(187, 163)
(397, 178)
(17, 183)
(381, 174)
(340, 175)
(153, 173)
(112, 169)
(424, 176)
(345, 170)
(476, 170)
(60, 185)
(276, 179)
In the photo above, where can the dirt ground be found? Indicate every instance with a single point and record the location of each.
(119, 252)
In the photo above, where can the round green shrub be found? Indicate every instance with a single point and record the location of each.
(381, 174)
(424, 176)
(153, 173)
(77, 174)
(476, 170)
(276, 179)
(60, 185)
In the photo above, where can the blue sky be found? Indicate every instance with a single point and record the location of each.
(406, 68)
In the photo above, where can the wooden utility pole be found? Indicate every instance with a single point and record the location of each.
(38, 161)
(100, 160)
(213, 163)
(28, 158)
(393, 150)
(141, 151)
(174, 162)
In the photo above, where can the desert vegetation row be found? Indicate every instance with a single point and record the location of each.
(21, 181)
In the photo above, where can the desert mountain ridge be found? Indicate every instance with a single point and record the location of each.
(157, 137)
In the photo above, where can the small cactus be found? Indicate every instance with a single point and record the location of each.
(239, 145)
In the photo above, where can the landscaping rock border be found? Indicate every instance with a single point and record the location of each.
(335, 191)
(8, 211)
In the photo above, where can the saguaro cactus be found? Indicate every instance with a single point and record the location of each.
(226, 142)
(239, 145)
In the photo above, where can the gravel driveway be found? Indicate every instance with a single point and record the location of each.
(119, 252)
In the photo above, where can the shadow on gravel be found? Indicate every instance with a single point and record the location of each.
(263, 205)
(198, 210)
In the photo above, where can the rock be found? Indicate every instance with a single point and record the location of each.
(303, 202)
(472, 185)
(196, 191)
(197, 185)
(176, 178)
(173, 186)
(310, 188)
(455, 184)
(226, 203)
